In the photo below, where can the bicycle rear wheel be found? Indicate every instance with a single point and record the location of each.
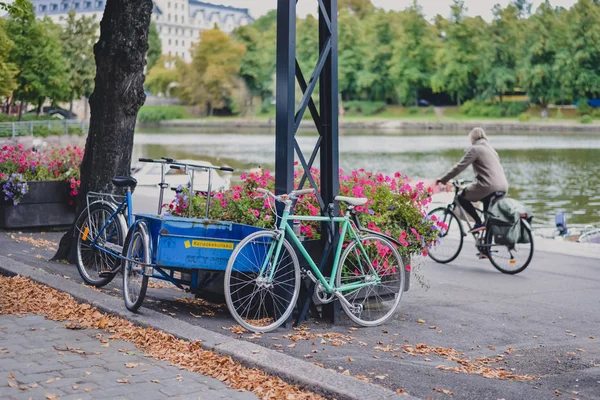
(137, 253)
(91, 259)
(450, 240)
(373, 304)
(259, 302)
(509, 259)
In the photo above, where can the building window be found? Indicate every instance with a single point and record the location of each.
(176, 6)
(169, 17)
(54, 7)
(183, 42)
(175, 18)
(76, 6)
(88, 4)
(169, 30)
(43, 8)
(169, 41)
(176, 42)
(65, 6)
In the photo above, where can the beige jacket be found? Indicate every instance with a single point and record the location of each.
(489, 174)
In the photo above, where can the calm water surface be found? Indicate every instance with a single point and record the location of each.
(549, 172)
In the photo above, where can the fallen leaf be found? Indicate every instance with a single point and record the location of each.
(22, 387)
(75, 387)
(155, 381)
(50, 380)
(380, 377)
(420, 321)
(375, 357)
(131, 365)
(350, 359)
(492, 348)
(33, 385)
(12, 384)
(87, 373)
(88, 389)
(11, 376)
(445, 391)
(50, 396)
(401, 391)
(123, 380)
(291, 345)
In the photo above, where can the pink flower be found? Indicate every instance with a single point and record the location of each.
(243, 177)
(408, 267)
(402, 240)
(414, 231)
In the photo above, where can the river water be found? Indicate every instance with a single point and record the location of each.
(549, 172)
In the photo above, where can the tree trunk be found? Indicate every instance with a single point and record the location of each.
(118, 95)
(39, 106)
(20, 109)
(71, 102)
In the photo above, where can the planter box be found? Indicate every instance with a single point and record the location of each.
(46, 204)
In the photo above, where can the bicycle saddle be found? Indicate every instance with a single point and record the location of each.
(353, 201)
(124, 181)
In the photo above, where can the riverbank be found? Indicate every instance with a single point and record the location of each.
(404, 125)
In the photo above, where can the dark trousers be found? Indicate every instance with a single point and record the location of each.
(470, 208)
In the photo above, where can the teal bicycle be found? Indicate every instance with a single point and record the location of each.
(262, 279)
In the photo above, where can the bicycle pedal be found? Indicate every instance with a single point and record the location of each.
(106, 274)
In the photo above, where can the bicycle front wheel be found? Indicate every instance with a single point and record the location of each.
(450, 239)
(91, 257)
(261, 302)
(381, 266)
(137, 253)
(510, 259)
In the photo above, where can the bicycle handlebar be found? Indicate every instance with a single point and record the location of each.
(174, 163)
(284, 197)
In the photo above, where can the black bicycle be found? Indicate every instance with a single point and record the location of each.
(509, 258)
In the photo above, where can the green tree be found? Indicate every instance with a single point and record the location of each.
(7, 70)
(257, 67)
(78, 38)
(37, 53)
(540, 73)
(502, 52)
(584, 44)
(161, 79)
(413, 55)
(352, 52)
(375, 80)
(213, 75)
(154, 47)
(458, 60)
(361, 8)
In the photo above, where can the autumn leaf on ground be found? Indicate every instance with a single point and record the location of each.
(155, 381)
(51, 396)
(131, 365)
(420, 321)
(12, 384)
(350, 359)
(123, 380)
(11, 376)
(401, 391)
(445, 391)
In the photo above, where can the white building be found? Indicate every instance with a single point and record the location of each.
(179, 22)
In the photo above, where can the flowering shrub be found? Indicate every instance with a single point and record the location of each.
(394, 208)
(19, 165)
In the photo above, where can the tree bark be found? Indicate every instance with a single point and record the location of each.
(120, 55)
(20, 109)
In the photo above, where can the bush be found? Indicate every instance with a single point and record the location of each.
(524, 117)
(583, 108)
(414, 110)
(157, 114)
(365, 108)
(586, 119)
(474, 108)
(428, 111)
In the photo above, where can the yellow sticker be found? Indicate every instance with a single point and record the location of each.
(513, 262)
(187, 244)
(212, 245)
(86, 231)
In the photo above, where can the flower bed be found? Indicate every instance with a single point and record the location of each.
(394, 207)
(38, 188)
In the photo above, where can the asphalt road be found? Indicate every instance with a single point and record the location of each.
(545, 322)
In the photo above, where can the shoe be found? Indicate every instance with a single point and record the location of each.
(478, 228)
(482, 256)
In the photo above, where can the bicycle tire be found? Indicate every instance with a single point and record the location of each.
(137, 247)
(453, 221)
(496, 261)
(388, 264)
(242, 277)
(90, 260)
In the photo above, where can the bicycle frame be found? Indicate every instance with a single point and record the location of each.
(347, 227)
(125, 203)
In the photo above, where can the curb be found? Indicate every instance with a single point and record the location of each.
(319, 380)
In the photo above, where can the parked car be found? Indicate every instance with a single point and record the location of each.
(423, 103)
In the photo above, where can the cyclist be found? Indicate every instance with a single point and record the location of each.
(489, 176)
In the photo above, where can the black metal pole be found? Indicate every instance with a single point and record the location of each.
(285, 107)
(329, 153)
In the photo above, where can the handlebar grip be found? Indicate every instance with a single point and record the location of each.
(176, 167)
(226, 169)
(145, 160)
(167, 159)
(303, 191)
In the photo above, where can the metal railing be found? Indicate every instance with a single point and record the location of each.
(43, 128)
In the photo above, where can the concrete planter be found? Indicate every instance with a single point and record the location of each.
(46, 204)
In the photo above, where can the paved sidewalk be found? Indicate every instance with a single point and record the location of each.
(41, 359)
